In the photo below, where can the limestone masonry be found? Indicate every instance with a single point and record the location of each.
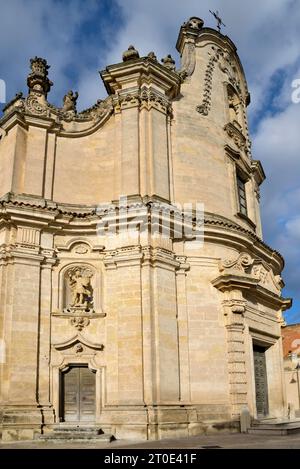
(121, 307)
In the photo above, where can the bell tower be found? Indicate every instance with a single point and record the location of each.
(219, 162)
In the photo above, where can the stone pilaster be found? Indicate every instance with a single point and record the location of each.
(234, 309)
(183, 329)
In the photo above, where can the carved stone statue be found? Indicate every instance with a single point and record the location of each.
(70, 101)
(169, 62)
(81, 289)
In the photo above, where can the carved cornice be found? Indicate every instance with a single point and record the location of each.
(80, 220)
(258, 172)
(138, 255)
(144, 71)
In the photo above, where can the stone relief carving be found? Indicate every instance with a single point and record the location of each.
(226, 64)
(236, 135)
(35, 104)
(241, 264)
(149, 98)
(188, 61)
(257, 268)
(260, 272)
(79, 322)
(234, 104)
(78, 348)
(204, 107)
(101, 109)
(80, 288)
(81, 248)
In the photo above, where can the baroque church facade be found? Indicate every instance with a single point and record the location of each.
(123, 306)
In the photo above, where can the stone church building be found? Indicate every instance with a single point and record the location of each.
(123, 307)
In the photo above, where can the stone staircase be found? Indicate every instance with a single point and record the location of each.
(75, 433)
(274, 427)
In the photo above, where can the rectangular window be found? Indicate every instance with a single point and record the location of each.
(241, 187)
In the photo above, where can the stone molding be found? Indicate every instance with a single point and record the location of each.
(77, 339)
(83, 220)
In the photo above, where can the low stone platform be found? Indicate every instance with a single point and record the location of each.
(275, 427)
(76, 433)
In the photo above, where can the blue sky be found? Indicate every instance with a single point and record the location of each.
(81, 37)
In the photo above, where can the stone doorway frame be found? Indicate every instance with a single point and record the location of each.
(262, 351)
(61, 416)
(272, 346)
(64, 356)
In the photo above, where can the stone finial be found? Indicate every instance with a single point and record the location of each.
(152, 55)
(194, 23)
(169, 62)
(38, 80)
(130, 54)
(70, 100)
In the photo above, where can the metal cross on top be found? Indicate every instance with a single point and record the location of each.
(219, 19)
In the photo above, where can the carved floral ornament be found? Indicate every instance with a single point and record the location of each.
(226, 62)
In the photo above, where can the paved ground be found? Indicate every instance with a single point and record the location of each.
(226, 441)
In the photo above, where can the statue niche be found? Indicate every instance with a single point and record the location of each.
(79, 290)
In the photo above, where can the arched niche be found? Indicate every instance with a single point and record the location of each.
(79, 288)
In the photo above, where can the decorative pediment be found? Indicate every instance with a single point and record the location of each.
(80, 340)
(79, 246)
(256, 268)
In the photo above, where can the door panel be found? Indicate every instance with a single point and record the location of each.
(261, 385)
(78, 395)
(87, 395)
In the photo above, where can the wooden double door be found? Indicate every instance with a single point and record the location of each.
(78, 395)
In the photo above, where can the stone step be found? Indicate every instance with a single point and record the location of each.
(77, 428)
(82, 436)
(75, 432)
(279, 428)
